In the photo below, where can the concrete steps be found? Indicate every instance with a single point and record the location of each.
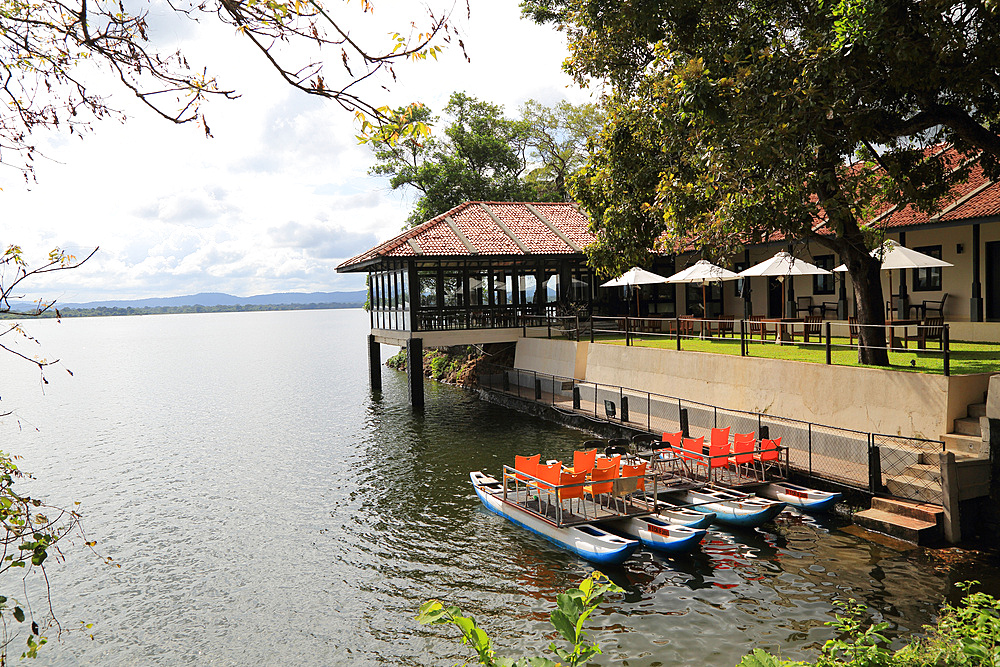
(968, 445)
(911, 521)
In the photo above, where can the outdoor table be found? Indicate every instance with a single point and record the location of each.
(891, 328)
(785, 332)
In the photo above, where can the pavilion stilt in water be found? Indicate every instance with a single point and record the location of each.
(415, 371)
(374, 364)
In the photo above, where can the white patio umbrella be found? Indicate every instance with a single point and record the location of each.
(895, 256)
(703, 272)
(635, 277)
(783, 265)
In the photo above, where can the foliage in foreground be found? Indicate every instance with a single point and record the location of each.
(965, 635)
(574, 607)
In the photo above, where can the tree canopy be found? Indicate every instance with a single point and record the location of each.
(482, 155)
(49, 49)
(731, 121)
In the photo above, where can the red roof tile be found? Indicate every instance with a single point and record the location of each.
(528, 234)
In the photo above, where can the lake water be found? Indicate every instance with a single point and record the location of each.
(266, 509)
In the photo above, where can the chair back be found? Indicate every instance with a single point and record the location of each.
(743, 444)
(695, 445)
(718, 454)
(769, 450)
(625, 486)
(565, 478)
(933, 327)
(720, 436)
(608, 462)
(601, 479)
(549, 472)
(756, 326)
(526, 464)
(584, 461)
(673, 439)
(726, 324)
(803, 303)
(852, 322)
(813, 324)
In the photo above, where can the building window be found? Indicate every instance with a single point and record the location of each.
(928, 280)
(823, 283)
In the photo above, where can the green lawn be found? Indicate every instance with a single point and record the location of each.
(966, 358)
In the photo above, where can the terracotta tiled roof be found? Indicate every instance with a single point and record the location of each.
(488, 229)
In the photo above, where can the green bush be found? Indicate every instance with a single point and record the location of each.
(965, 635)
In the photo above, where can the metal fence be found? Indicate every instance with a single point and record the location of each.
(808, 332)
(880, 464)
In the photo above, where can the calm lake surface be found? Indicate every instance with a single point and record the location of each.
(266, 509)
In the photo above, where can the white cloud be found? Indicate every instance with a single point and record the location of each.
(278, 197)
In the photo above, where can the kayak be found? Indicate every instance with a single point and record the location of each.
(801, 497)
(660, 535)
(734, 509)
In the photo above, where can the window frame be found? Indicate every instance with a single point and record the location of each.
(928, 279)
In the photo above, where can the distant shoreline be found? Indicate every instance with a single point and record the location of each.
(105, 311)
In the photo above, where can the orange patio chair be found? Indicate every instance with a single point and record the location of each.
(548, 474)
(528, 465)
(768, 455)
(565, 492)
(633, 478)
(583, 460)
(743, 446)
(601, 482)
(694, 448)
(720, 436)
(673, 439)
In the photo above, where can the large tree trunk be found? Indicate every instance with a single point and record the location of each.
(849, 242)
(865, 274)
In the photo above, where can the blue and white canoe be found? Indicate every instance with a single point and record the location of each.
(683, 516)
(587, 541)
(660, 535)
(733, 509)
(801, 497)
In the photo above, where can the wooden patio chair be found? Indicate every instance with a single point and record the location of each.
(722, 327)
(931, 329)
(852, 325)
(936, 307)
(803, 304)
(759, 327)
(813, 328)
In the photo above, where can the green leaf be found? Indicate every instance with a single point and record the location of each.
(19, 614)
(565, 626)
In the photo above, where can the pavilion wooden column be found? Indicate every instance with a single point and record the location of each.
(415, 371)
(374, 363)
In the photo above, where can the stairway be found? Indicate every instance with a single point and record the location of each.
(967, 438)
(920, 523)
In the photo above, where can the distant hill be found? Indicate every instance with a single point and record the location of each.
(220, 299)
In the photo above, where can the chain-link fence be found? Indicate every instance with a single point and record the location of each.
(878, 463)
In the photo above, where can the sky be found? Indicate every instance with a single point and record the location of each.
(280, 195)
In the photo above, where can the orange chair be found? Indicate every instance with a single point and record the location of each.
(718, 459)
(720, 436)
(637, 474)
(694, 448)
(743, 446)
(673, 439)
(608, 462)
(583, 461)
(548, 474)
(601, 481)
(528, 465)
(768, 455)
(570, 492)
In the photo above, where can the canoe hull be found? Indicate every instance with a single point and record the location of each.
(734, 509)
(587, 541)
(801, 497)
(680, 516)
(660, 535)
